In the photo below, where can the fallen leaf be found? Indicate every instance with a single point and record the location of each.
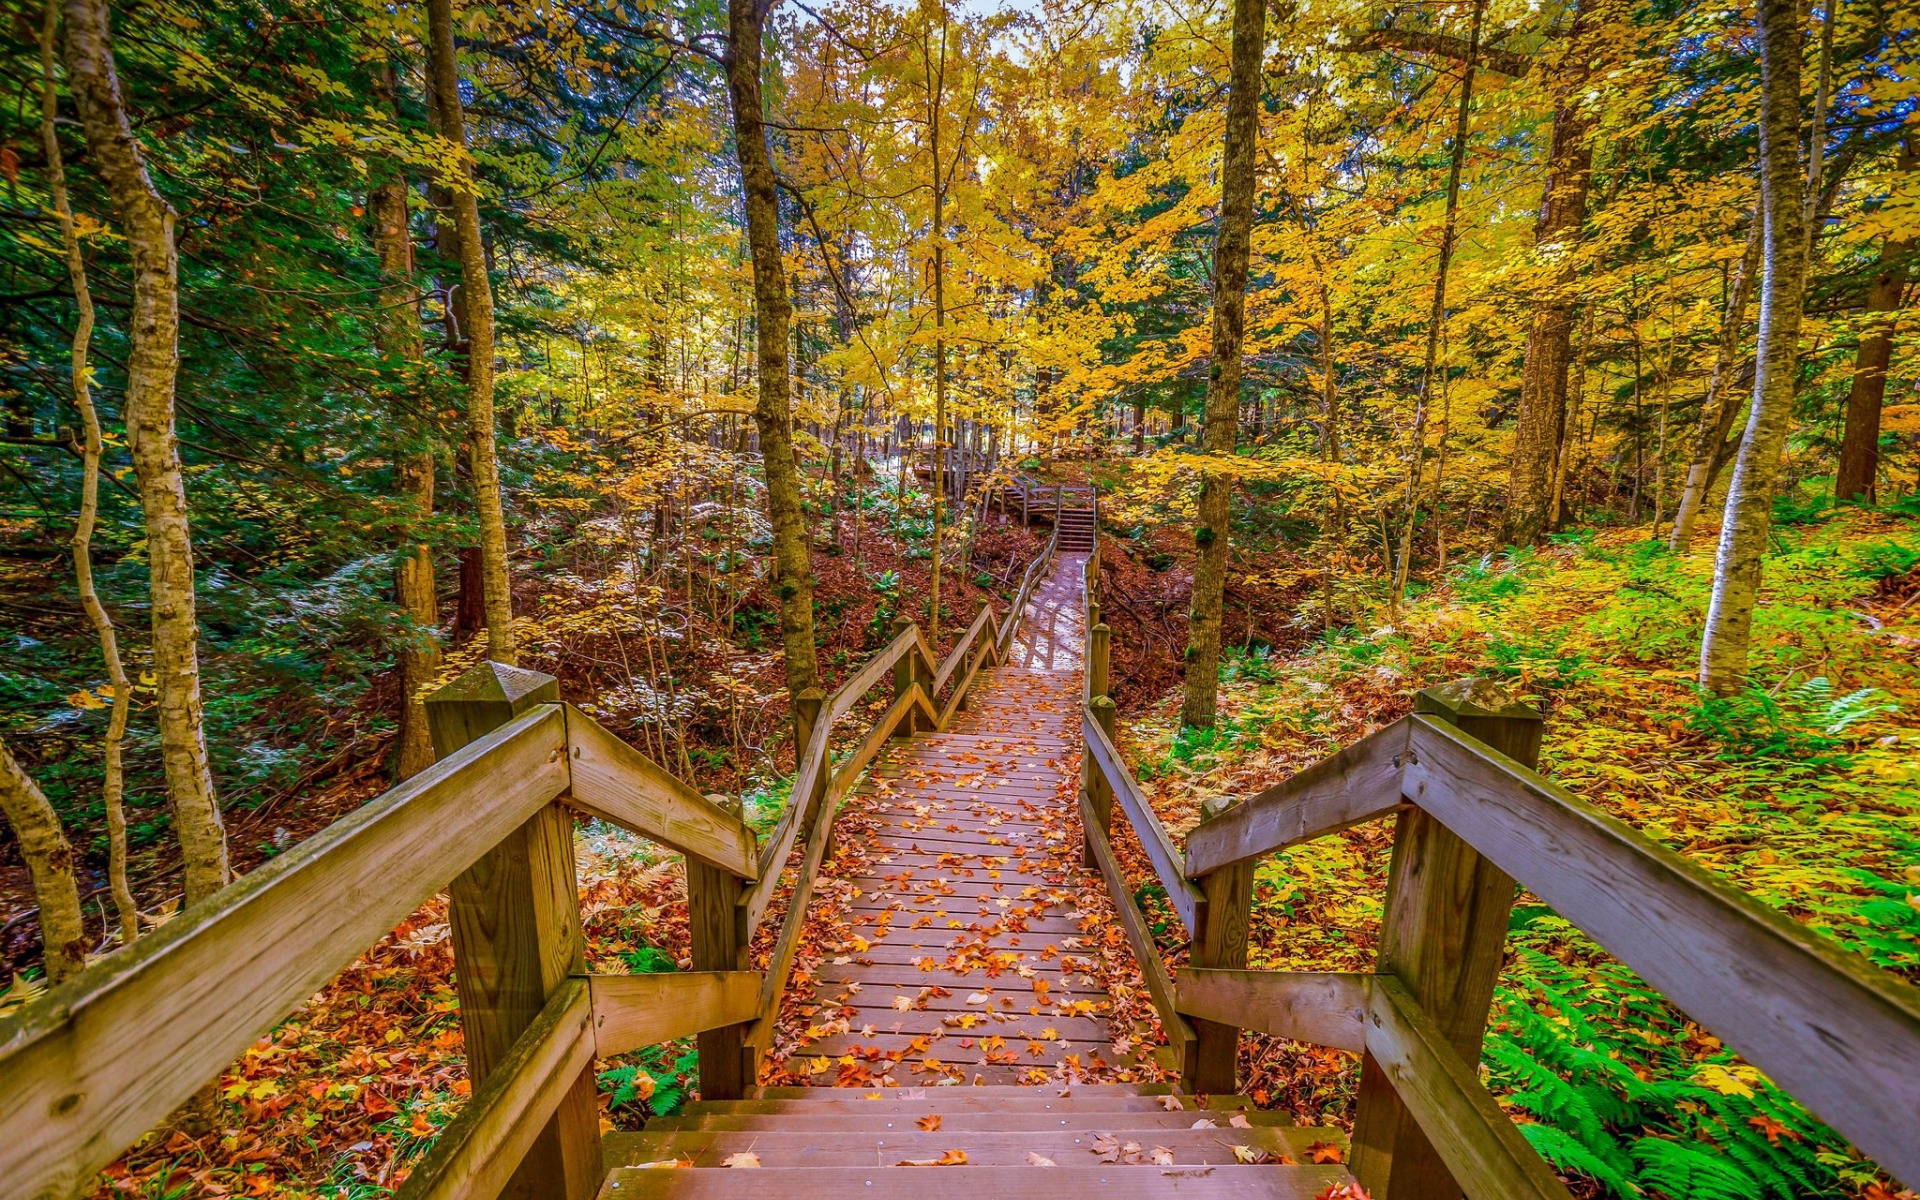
(930, 1122)
(746, 1158)
(1039, 1160)
(1325, 1152)
(952, 1158)
(1239, 1121)
(1247, 1154)
(1169, 1102)
(1160, 1156)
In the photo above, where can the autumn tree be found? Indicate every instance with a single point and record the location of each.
(153, 362)
(1230, 254)
(1750, 494)
(773, 311)
(477, 300)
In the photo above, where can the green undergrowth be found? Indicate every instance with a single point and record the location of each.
(1803, 790)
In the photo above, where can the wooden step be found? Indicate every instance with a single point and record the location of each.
(958, 1122)
(1190, 1147)
(918, 1102)
(1083, 1090)
(975, 1183)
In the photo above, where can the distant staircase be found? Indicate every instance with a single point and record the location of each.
(981, 1143)
(1076, 530)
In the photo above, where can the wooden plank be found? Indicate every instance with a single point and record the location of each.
(1153, 969)
(1066, 1147)
(1168, 864)
(631, 1011)
(1485, 1153)
(1142, 1123)
(877, 668)
(1358, 784)
(957, 655)
(972, 1183)
(1326, 1008)
(1219, 942)
(774, 853)
(617, 783)
(100, 1060)
(1826, 1025)
(476, 1156)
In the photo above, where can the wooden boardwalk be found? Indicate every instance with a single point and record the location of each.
(968, 939)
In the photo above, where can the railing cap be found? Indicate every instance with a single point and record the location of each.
(490, 682)
(1474, 697)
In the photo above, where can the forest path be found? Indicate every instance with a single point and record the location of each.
(966, 941)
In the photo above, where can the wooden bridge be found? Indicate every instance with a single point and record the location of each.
(97, 1062)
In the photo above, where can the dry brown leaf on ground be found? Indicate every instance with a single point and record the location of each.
(1039, 1160)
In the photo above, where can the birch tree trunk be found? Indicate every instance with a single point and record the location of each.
(49, 859)
(153, 361)
(1719, 410)
(772, 413)
(1749, 509)
(477, 292)
(1199, 705)
(113, 785)
(401, 343)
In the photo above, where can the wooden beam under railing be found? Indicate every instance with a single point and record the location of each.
(1186, 898)
(1359, 783)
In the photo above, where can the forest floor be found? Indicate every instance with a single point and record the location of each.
(1804, 790)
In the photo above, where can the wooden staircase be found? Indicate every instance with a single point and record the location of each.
(1076, 530)
(983, 1143)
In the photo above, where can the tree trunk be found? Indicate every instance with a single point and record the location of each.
(1860, 444)
(1230, 254)
(1437, 317)
(1563, 210)
(477, 292)
(772, 413)
(153, 361)
(113, 786)
(399, 338)
(1744, 529)
(49, 860)
(1718, 410)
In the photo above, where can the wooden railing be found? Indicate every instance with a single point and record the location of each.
(98, 1061)
(1032, 496)
(1474, 823)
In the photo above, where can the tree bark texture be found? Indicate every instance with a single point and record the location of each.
(1200, 703)
(1563, 210)
(1749, 508)
(1436, 318)
(477, 292)
(49, 859)
(403, 346)
(1860, 444)
(153, 361)
(1718, 411)
(113, 785)
(772, 413)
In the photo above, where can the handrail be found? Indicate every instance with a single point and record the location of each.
(1186, 898)
(99, 1060)
(1830, 1028)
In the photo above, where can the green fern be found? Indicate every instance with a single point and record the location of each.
(1568, 1153)
(1692, 1171)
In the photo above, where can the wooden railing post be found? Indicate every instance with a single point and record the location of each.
(806, 711)
(515, 916)
(1099, 651)
(717, 930)
(1219, 941)
(907, 670)
(1093, 780)
(1443, 936)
